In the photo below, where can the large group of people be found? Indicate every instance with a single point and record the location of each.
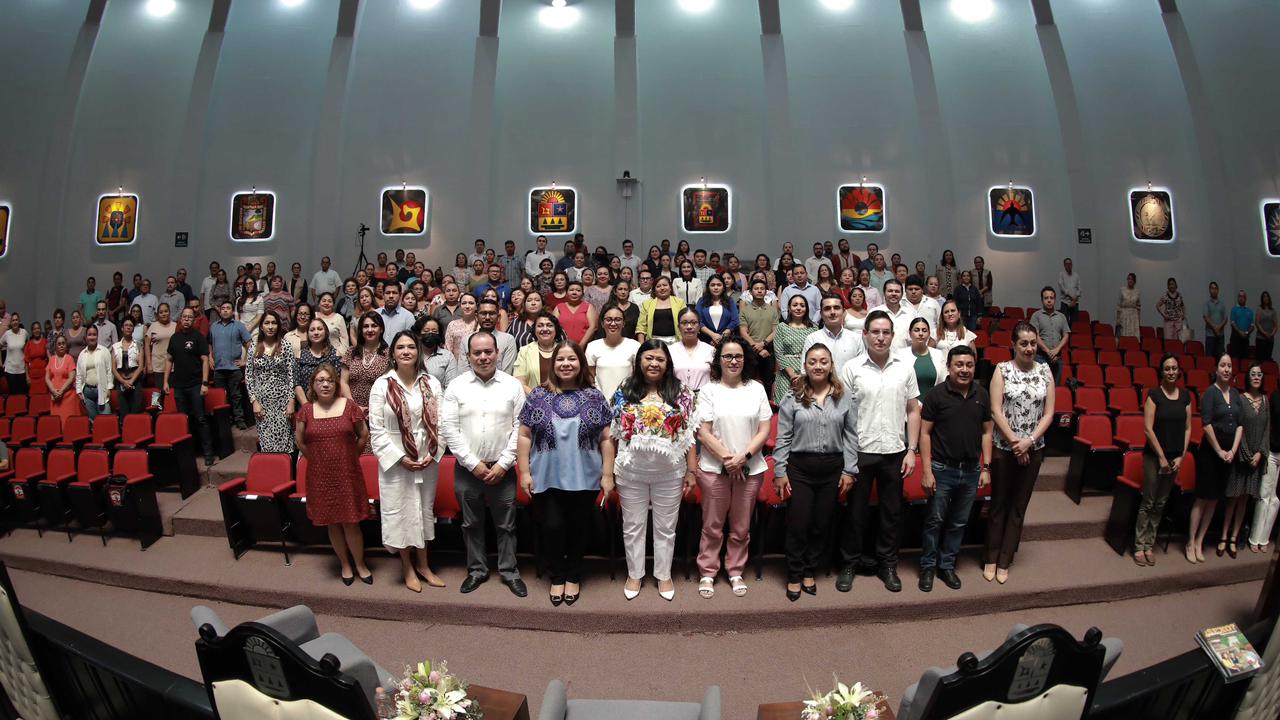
(568, 375)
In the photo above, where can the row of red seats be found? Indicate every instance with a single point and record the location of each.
(37, 404)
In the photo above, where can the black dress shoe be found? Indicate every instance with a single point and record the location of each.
(889, 576)
(472, 582)
(557, 599)
(367, 579)
(516, 586)
(844, 583)
(926, 580)
(571, 599)
(348, 580)
(809, 589)
(950, 578)
(793, 595)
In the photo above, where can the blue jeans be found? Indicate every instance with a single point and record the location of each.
(90, 400)
(948, 514)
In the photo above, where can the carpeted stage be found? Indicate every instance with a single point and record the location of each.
(760, 648)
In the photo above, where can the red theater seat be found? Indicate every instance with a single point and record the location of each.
(1146, 378)
(87, 495)
(1117, 376)
(22, 432)
(40, 405)
(136, 432)
(28, 471)
(1108, 358)
(15, 405)
(60, 472)
(1135, 358)
(1090, 401)
(173, 454)
(48, 432)
(76, 432)
(1095, 457)
(1123, 401)
(1126, 497)
(253, 506)
(1126, 343)
(106, 432)
(1130, 432)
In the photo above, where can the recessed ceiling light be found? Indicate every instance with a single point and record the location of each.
(559, 3)
(291, 3)
(973, 10)
(423, 4)
(558, 17)
(160, 8)
(696, 6)
(837, 5)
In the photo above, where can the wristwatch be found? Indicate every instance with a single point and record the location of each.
(915, 450)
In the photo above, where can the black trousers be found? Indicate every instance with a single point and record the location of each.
(1239, 345)
(815, 482)
(1265, 348)
(564, 520)
(191, 403)
(886, 472)
(18, 383)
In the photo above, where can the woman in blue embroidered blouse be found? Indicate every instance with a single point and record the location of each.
(562, 425)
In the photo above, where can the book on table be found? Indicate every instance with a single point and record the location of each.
(1231, 652)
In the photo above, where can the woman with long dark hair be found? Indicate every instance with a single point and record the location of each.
(367, 361)
(816, 459)
(404, 426)
(1245, 479)
(1220, 410)
(651, 450)
(268, 374)
(562, 427)
(1166, 420)
(717, 313)
(788, 342)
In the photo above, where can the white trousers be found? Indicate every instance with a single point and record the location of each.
(1264, 512)
(638, 494)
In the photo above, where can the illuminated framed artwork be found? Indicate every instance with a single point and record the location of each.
(1270, 227)
(253, 216)
(116, 222)
(553, 210)
(1011, 211)
(1151, 215)
(5, 210)
(705, 208)
(860, 208)
(404, 210)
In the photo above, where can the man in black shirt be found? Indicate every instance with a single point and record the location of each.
(186, 375)
(955, 447)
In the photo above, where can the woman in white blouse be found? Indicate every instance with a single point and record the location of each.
(734, 426)
(690, 357)
(126, 370)
(855, 312)
(951, 329)
(404, 435)
(93, 376)
(611, 357)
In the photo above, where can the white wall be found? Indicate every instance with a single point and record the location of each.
(1111, 96)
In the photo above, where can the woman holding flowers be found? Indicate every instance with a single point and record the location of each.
(654, 421)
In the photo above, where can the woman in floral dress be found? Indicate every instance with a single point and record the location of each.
(788, 343)
(268, 373)
(651, 449)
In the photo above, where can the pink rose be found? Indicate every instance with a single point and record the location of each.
(434, 677)
(425, 697)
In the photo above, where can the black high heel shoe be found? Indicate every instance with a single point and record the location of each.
(1231, 549)
(793, 595)
(1222, 547)
(348, 580)
(809, 589)
(367, 579)
(557, 599)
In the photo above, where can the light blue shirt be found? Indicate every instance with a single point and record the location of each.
(566, 466)
(810, 293)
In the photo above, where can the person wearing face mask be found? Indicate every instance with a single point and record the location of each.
(479, 420)
(563, 425)
(955, 449)
(434, 358)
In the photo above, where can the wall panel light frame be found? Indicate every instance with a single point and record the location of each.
(6, 216)
(132, 229)
(1173, 221)
(384, 198)
(991, 210)
(573, 213)
(1270, 226)
(271, 222)
(728, 206)
(883, 198)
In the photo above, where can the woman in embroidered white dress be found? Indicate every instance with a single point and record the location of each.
(652, 453)
(404, 435)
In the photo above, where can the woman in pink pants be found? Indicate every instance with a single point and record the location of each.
(735, 424)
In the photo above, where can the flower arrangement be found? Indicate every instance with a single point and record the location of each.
(843, 703)
(663, 422)
(428, 693)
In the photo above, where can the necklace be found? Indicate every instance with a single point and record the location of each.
(367, 357)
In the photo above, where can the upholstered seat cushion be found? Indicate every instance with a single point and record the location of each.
(556, 706)
(353, 661)
(18, 671)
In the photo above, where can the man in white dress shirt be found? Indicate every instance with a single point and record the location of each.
(921, 305)
(1068, 291)
(644, 287)
(480, 420)
(884, 389)
(818, 259)
(628, 258)
(898, 311)
(844, 345)
(533, 260)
